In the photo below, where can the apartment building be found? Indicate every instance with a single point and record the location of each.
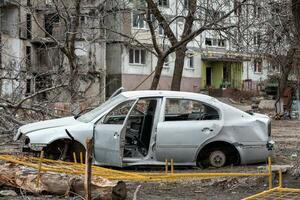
(31, 59)
(109, 60)
(212, 60)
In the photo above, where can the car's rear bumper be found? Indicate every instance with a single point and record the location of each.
(256, 153)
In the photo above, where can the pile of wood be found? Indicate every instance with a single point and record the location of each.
(29, 179)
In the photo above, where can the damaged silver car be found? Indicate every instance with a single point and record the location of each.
(147, 127)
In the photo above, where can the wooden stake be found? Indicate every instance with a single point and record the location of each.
(88, 168)
(172, 166)
(39, 169)
(74, 156)
(81, 158)
(167, 167)
(270, 173)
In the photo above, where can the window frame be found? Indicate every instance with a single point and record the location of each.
(215, 42)
(257, 65)
(163, 113)
(163, 3)
(140, 59)
(102, 119)
(139, 19)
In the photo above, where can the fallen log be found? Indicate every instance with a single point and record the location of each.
(19, 176)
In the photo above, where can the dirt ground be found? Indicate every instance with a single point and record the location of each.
(285, 133)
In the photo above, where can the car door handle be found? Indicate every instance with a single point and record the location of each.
(205, 129)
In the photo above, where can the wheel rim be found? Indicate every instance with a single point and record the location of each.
(217, 158)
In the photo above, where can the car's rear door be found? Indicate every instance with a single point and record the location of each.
(185, 126)
(110, 135)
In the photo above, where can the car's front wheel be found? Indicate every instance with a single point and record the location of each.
(65, 150)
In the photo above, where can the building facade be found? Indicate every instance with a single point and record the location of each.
(31, 58)
(213, 60)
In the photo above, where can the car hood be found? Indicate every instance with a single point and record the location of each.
(65, 121)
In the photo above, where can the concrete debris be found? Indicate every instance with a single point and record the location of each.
(275, 168)
(8, 193)
(266, 104)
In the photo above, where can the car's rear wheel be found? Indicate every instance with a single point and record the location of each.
(217, 158)
(218, 154)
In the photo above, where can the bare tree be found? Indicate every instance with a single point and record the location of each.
(58, 65)
(198, 18)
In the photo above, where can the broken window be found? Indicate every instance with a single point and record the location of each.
(28, 26)
(42, 82)
(28, 87)
(28, 57)
(188, 110)
(50, 21)
(118, 114)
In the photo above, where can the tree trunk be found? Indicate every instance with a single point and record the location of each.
(60, 184)
(178, 69)
(157, 74)
(296, 15)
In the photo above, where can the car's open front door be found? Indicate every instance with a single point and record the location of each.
(110, 135)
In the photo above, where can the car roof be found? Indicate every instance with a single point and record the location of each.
(166, 93)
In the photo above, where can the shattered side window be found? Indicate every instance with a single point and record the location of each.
(187, 110)
(119, 113)
(89, 116)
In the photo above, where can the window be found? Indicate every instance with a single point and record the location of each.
(28, 87)
(119, 113)
(190, 60)
(138, 21)
(50, 21)
(163, 3)
(188, 110)
(160, 30)
(257, 66)
(213, 42)
(256, 38)
(257, 11)
(221, 43)
(185, 4)
(28, 57)
(137, 56)
(208, 41)
(28, 26)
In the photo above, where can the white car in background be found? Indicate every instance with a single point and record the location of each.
(147, 127)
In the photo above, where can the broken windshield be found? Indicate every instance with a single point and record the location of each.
(89, 116)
